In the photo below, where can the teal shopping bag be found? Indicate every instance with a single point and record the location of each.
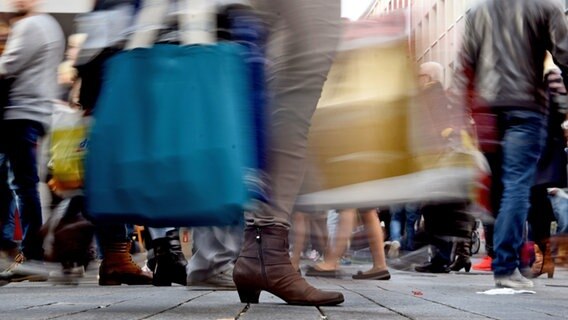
(172, 137)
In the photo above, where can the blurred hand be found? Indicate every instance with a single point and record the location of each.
(555, 83)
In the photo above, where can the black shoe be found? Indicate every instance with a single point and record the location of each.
(461, 262)
(430, 267)
(170, 261)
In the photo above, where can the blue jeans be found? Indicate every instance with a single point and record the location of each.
(523, 135)
(8, 211)
(408, 214)
(560, 207)
(18, 142)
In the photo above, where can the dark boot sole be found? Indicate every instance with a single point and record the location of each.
(252, 296)
(122, 279)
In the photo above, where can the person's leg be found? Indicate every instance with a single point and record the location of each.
(302, 45)
(412, 216)
(463, 245)
(299, 227)
(117, 266)
(435, 224)
(522, 143)
(495, 193)
(152, 234)
(73, 235)
(376, 239)
(318, 231)
(215, 252)
(7, 232)
(332, 255)
(7, 212)
(495, 161)
(332, 227)
(397, 217)
(165, 258)
(540, 217)
(21, 151)
(559, 202)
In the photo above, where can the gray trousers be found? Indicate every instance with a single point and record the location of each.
(303, 39)
(215, 250)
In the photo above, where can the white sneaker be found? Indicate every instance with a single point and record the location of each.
(394, 250)
(514, 281)
(23, 270)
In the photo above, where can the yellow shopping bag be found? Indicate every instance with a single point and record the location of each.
(364, 144)
(68, 147)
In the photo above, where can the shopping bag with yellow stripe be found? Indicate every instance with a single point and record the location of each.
(68, 149)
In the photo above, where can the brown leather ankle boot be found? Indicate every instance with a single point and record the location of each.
(561, 253)
(118, 267)
(264, 264)
(543, 261)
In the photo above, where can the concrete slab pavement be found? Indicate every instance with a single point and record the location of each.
(407, 295)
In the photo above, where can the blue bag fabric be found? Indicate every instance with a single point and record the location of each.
(172, 137)
(247, 29)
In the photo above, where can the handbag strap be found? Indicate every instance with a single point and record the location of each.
(196, 19)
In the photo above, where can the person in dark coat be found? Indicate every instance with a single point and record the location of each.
(442, 221)
(551, 172)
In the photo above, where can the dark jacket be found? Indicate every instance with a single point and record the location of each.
(501, 60)
(551, 170)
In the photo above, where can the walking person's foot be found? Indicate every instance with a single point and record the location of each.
(514, 281)
(19, 270)
(373, 274)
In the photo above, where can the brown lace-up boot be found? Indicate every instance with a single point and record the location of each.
(543, 261)
(264, 264)
(118, 267)
(561, 252)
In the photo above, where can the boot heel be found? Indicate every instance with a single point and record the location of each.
(550, 274)
(249, 295)
(467, 267)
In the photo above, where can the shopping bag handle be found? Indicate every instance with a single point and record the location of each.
(196, 20)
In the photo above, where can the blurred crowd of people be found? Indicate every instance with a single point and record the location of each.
(506, 103)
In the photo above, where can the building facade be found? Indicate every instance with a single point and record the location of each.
(436, 28)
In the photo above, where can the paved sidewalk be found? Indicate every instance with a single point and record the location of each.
(407, 295)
